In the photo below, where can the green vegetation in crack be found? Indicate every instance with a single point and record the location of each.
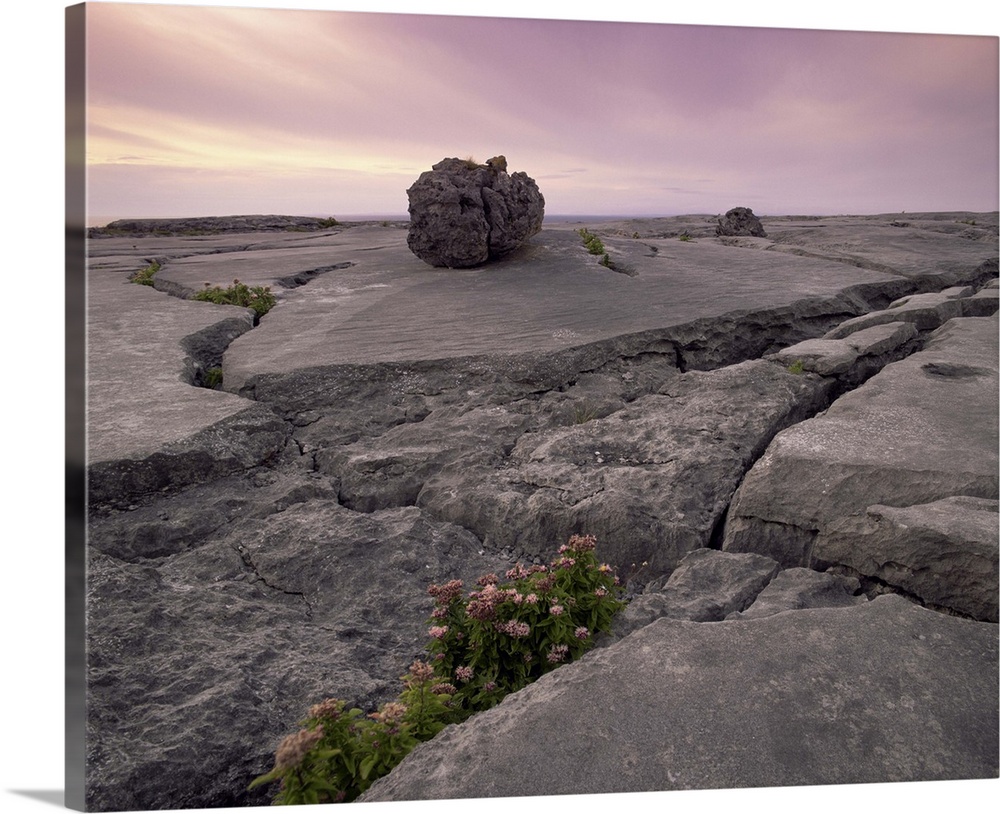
(484, 644)
(258, 298)
(145, 276)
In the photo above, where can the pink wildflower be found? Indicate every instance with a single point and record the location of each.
(581, 633)
(518, 572)
(581, 543)
(295, 747)
(438, 631)
(531, 599)
(421, 671)
(390, 712)
(464, 673)
(515, 629)
(330, 708)
(447, 593)
(556, 610)
(488, 579)
(483, 604)
(444, 688)
(558, 653)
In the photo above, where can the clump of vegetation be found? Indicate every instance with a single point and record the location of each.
(212, 378)
(592, 242)
(145, 276)
(484, 644)
(257, 297)
(685, 237)
(584, 412)
(328, 223)
(471, 162)
(796, 367)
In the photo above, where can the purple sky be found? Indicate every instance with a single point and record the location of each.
(210, 111)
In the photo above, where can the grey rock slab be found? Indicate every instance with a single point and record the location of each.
(881, 339)
(981, 304)
(799, 588)
(282, 265)
(143, 348)
(707, 586)
(916, 245)
(202, 661)
(827, 357)
(875, 346)
(945, 552)
(248, 438)
(138, 392)
(551, 295)
(922, 429)
(926, 311)
(880, 692)
(651, 481)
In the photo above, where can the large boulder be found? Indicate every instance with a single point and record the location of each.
(740, 222)
(463, 214)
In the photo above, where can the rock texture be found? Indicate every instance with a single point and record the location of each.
(387, 425)
(463, 214)
(707, 586)
(923, 430)
(882, 692)
(235, 224)
(740, 222)
(219, 616)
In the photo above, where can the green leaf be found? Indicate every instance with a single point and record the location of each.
(270, 777)
(367, 765)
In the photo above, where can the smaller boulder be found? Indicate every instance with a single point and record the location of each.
(740, 222)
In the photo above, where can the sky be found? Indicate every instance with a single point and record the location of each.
(195, 110)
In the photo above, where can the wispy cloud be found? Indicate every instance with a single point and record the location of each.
(615, 115)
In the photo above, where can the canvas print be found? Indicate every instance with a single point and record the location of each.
(484, 407)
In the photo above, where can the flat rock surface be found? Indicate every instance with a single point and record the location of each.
(923, 429)
(389, 306)
(139, 393)
(255, 548)
(881, 692)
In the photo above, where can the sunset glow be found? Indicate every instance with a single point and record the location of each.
(209, 111)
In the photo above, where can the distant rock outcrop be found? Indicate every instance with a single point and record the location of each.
(740, 222)
(463, 214)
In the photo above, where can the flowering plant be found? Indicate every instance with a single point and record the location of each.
(493, 641)
(504, 635)
(340, 752)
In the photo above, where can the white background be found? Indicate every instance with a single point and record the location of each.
(31, 271)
